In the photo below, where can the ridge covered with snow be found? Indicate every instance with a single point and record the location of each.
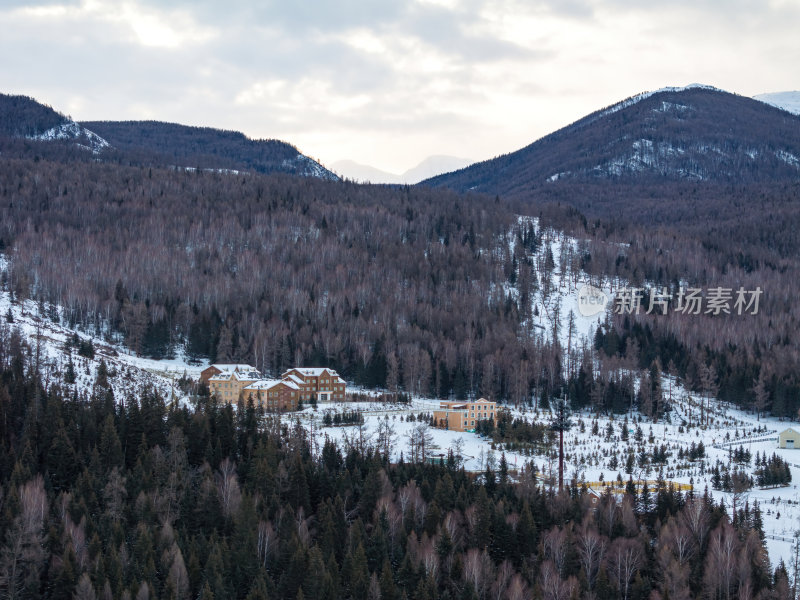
(308, 167)
(788, 101)
(639, 97)
(70, 130)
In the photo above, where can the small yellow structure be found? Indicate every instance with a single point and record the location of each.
(789, 438)
(462, 416)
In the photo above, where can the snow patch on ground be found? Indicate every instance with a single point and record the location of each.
(787, 157)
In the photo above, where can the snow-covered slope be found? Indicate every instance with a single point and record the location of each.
(54, 342)
(788, 101)
(691, 133)
(308, 167)
(554, 261)
(71, 130)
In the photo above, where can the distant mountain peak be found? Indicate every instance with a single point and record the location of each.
(643, 95)
(695, 132)
(23, 117)
(429, 167)
(788, 101)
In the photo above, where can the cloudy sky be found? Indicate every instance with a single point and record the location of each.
(386, 83)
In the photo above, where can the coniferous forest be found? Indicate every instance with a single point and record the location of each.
(104, 497)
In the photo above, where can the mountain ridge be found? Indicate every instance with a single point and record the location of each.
(28, 126)
(696, 133)
(208, 147)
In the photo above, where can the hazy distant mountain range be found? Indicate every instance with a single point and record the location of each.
(429, 167)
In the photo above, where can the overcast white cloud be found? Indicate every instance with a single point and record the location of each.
(386, 83)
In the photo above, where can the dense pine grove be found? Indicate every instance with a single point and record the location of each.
(104, 497)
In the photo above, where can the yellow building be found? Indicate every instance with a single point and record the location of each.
(462, 416)
(227, 385)
(789, 438)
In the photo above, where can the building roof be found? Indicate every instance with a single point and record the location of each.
(230, 367)
(252, 375)
(294, 378)
(312, 371)
(788, 429)
(268, 384)
(453, 405)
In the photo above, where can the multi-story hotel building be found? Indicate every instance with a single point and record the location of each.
(227, 385)
(320, 384)
(462, 416)
(306, 385)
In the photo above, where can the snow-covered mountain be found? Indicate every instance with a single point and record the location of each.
(432, 166)
(429, 167)
(789, 101)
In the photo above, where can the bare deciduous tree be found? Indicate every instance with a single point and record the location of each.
(23, 555)
(230, 495)
(625, 556)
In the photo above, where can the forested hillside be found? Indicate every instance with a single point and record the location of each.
(30, 129)
(421, 290)
(107, 499)
(163, 144)
(393, 287)
(22, 116)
